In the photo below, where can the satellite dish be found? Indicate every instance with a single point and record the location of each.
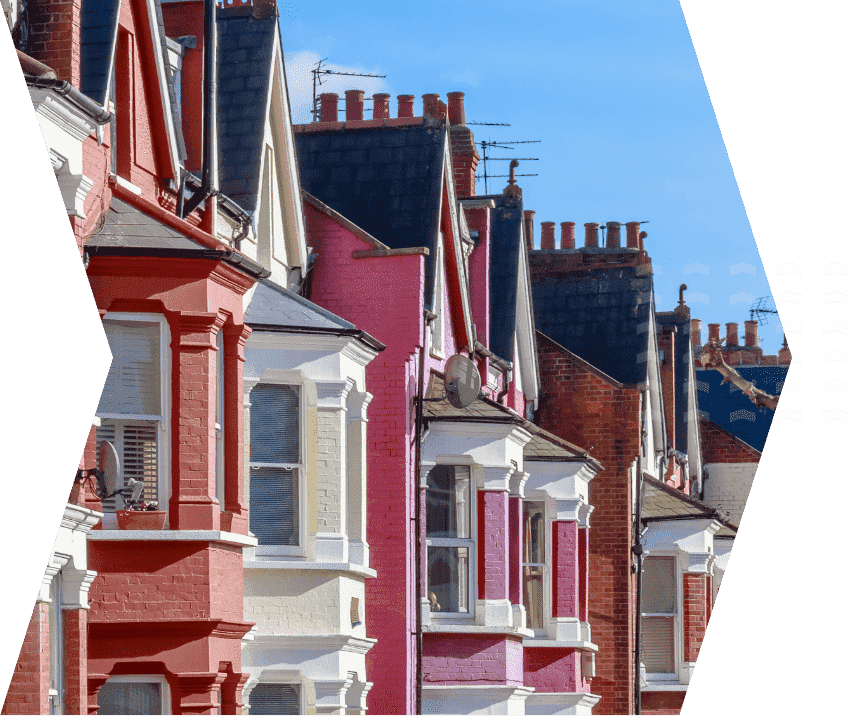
(110, 464)
(462, 381)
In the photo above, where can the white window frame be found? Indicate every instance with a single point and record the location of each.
(163, 446)
(469, 542)
(220, 417)
(677, 621)
(437, 327)
(56, 689)
(299, 383)
(147, 679)
(540, 632)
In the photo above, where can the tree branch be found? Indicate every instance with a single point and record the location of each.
(712, 357)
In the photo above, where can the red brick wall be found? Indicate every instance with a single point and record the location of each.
(28, 690)
(75, 636)
(55, 35)
(662, 702)
(696, 596)
(465, 160)
(565, 587)
(590, 412)
(719, 446)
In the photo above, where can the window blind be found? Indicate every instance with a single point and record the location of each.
(270, 699)
(133, 385)
(659, 597)
(130, 697)
(273, 506)
(274, 424)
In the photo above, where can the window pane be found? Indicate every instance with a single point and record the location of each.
(659, 586)
(136, 443)
(130, 698)
(448, 502)
(133, 384)
(282, 699)
(273, 506)
(274, 424)
(658, 644)
(534, 532)
(447, 579)
(534, 597)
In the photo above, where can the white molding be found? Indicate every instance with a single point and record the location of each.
(172, 536)
(459, 626)
(473, 698)
(495, 479)
(556, 703)
(74, 189)
(331, 547)
(517, 483)
(332, 394)
(542, 643)
(350, 567)
(319, 642)
(126, 184)
(62, 114)
(493, 612)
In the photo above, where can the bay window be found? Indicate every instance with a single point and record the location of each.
(133, 406)
(275, 699)
(659, 615)
(134, 695)
(533, 564)
(449, 542)
(275, 464)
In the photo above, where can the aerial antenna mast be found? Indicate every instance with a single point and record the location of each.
(318, 74)
(485, 146)
(761, 310)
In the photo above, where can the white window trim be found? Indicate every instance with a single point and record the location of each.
(470, 542)
(294, 379)
(220, 416)
(547, 594)
(677, 629)
(437, 327)
(163, 452)
(147, 679)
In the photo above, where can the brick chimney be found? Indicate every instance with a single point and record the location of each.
(464, 156)
(548, 235)
(528, 228)
(633, 234)
(54, 36)
(751, 338)
(406, 105)
(381, 105)
(695, 330)
(566, 239)
(329, 107)
(591, 235)
(613, 234)
(431, 105)
(456, 108)
(714, 329)
(784, 355)
(732, 334)
(353, 105)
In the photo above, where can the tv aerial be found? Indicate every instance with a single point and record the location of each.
(485, 146)
(462, 381)
(319, 72)
(761, 310)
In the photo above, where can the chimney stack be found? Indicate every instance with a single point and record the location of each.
(613, 234)
(732, 334)
(353, 105)
(456, 108)
(406, 105)
(528, 228)
(431, 105)
(633, 234)
(329, 107)
(566, 240)
(591, 235)
(751, 337)
(548, 235)
(714, 332)
(381, 105)
(695, 330)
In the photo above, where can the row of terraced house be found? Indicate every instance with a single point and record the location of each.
(336, 534)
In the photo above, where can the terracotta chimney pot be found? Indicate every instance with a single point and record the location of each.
(329, 107)
(406, 105)
(431, 105)
(633, 234)
(353, 105)
(751, 331)
(695, 330)
(732, 334)
(381, 105)
(714, 329)
(456, 108)
(566, 240)
(528, 228)
(548, 235)
(591, 235)
(613, 234)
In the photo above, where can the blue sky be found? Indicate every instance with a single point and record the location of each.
(613, 90)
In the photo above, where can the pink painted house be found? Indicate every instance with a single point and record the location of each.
(477, 518)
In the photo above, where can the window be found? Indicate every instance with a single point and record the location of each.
(219, 422)
(275, 464)
(134, 695)
(449, 544)
(55, 625)
(132, 406)
(282, 699)
(659, 612)
(533, 564)
(437, 327)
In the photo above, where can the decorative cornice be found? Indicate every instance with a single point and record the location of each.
(332, 395)
(495, 477)
(517, 483)
(62, 113)
(315, 642)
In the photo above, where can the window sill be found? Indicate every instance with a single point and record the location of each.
(665, 686)
(172, 536)
(318, 566)
(438, 626)
(552, 644)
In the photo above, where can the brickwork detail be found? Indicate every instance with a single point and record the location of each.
(493, 541)
(566, 578)
(28, 690)
(718, 445)
(75, 637)
(460, 659)
(553, 670)
(696, 596)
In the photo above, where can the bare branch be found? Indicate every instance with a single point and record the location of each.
(712, 357)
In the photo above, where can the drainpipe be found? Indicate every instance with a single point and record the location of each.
(638, 551)
(209, 169)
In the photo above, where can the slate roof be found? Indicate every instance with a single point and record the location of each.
(127, 227)
(274, 305)
(682, 358)
(730, 409)
(543, 445)
(245, 53)
(602, 315)
(98, 30)
(387, 180)
(662, 502)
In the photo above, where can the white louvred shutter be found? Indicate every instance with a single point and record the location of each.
(279, 699)
(133, 384)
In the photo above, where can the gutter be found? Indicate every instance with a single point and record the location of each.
(356, 333)
(65, 89)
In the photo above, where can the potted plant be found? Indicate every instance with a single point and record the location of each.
(141, 515)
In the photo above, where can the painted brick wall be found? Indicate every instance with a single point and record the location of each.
(590, 412)
(330, 471)
(728, 487)
(566, 587)
(696, 595)
(30, 682)
(75, 656)
(479, 659)
(553, 670)
(493, 545)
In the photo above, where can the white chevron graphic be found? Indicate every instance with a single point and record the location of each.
(789, 268)
(794, 385)
(832, 327)
(789, 297)
(834, 385)
(835, 268)
(835, 297)
(835, 356)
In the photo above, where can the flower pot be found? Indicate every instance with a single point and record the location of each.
(141, 519)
